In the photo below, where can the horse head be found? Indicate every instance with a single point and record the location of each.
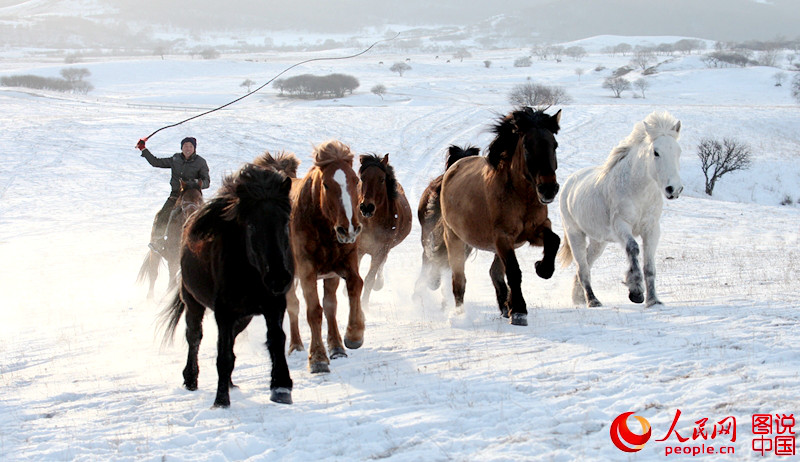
(262, 208)
(190, 198)
(536, 131)
(377, 184)
(335, 186)
(662, 153)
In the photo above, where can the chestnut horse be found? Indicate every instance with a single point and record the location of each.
(499, 202)
(386, 217)
(429, 214)
(189, 200)
(236, 260)
(324, 229)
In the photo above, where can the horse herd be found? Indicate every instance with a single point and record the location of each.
(244, 252)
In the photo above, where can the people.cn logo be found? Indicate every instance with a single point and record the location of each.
(624, 438)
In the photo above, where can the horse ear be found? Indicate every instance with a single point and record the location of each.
(385, 160)
(677, 127)
(362, 157)
(558, 116)
(286, 186)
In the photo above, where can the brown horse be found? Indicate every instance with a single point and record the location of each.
(429, 214)
(324, 229)
(236, 260)
(499, 202)
(189, 200)
(386, 217)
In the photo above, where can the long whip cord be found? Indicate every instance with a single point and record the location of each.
(269, 82)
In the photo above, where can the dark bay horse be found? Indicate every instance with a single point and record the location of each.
(499, 202)
(236, 260)
(189, 200)
(429, 214)
(386, 217)
(324, 229)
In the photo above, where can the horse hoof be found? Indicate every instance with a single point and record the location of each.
(190, 386)
(519, 319)
(319, 368)
(338, 352)
(352, 344)
(636, 297)
(293, 348)
(544, 271)
(221, 403)
(281, 395)
(653, 303)
(594, 303)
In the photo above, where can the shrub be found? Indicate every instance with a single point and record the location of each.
(537, 95)
(317, 87)
(400, 67)
(379, 90)
(525, 61)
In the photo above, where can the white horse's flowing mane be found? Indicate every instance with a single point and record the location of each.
(660, 123)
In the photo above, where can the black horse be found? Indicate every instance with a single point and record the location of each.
(236, 260)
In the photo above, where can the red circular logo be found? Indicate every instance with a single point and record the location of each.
(624, 438)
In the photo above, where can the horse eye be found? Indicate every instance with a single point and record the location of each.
(325, 186)
(656, 153)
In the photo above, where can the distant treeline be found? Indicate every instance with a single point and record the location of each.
(317, 87)
(72, 81)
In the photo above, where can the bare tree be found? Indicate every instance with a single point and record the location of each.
(379, 90)
(75, 74)
(461, 54)
(487, 64)
(641, 84)
(642, 57)
(576, 52)
(796, 87)
(537, 95)
(579, 72)
(717, 159)
(617, 85)
(623, 49)
(779, 77)
(247, 83)
(400, 67)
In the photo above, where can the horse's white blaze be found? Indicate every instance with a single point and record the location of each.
(341, 178)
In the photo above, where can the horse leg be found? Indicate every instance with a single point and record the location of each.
(456, 255)
(317, 356)
(550, 241)
(649, 244)
(498, 274)
(354, 336)
(582, 284)
(633, 278)
(374, 276)
(280, 382)
(194, 334)
(335, 346)
(293, 308)
(225, 357)
(518, 311)
(238, 326)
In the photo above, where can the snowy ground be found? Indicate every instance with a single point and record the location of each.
(83, 375)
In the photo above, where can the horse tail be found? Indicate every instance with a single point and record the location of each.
(565, 253)
(149, 269)
(456, 153)
(171, 315)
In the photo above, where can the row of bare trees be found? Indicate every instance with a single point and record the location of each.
(71, 81)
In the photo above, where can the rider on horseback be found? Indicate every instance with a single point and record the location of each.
(186, 166)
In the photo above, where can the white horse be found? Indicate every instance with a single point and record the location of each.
(619, 200)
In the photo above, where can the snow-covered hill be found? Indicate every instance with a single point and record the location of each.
(83, 375)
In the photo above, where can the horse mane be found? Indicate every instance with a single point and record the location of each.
(510, 127)
(659, 123)
(330, 152)
(456, 153)
(185, 186)
(283, 161)
(373, 160)
(251, 184)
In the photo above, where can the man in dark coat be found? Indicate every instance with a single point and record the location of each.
(185, 165)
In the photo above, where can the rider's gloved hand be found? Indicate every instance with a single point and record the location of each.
(140, 145)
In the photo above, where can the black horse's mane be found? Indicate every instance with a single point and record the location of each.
(510, 127)
(239, 191)
(373, 160)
